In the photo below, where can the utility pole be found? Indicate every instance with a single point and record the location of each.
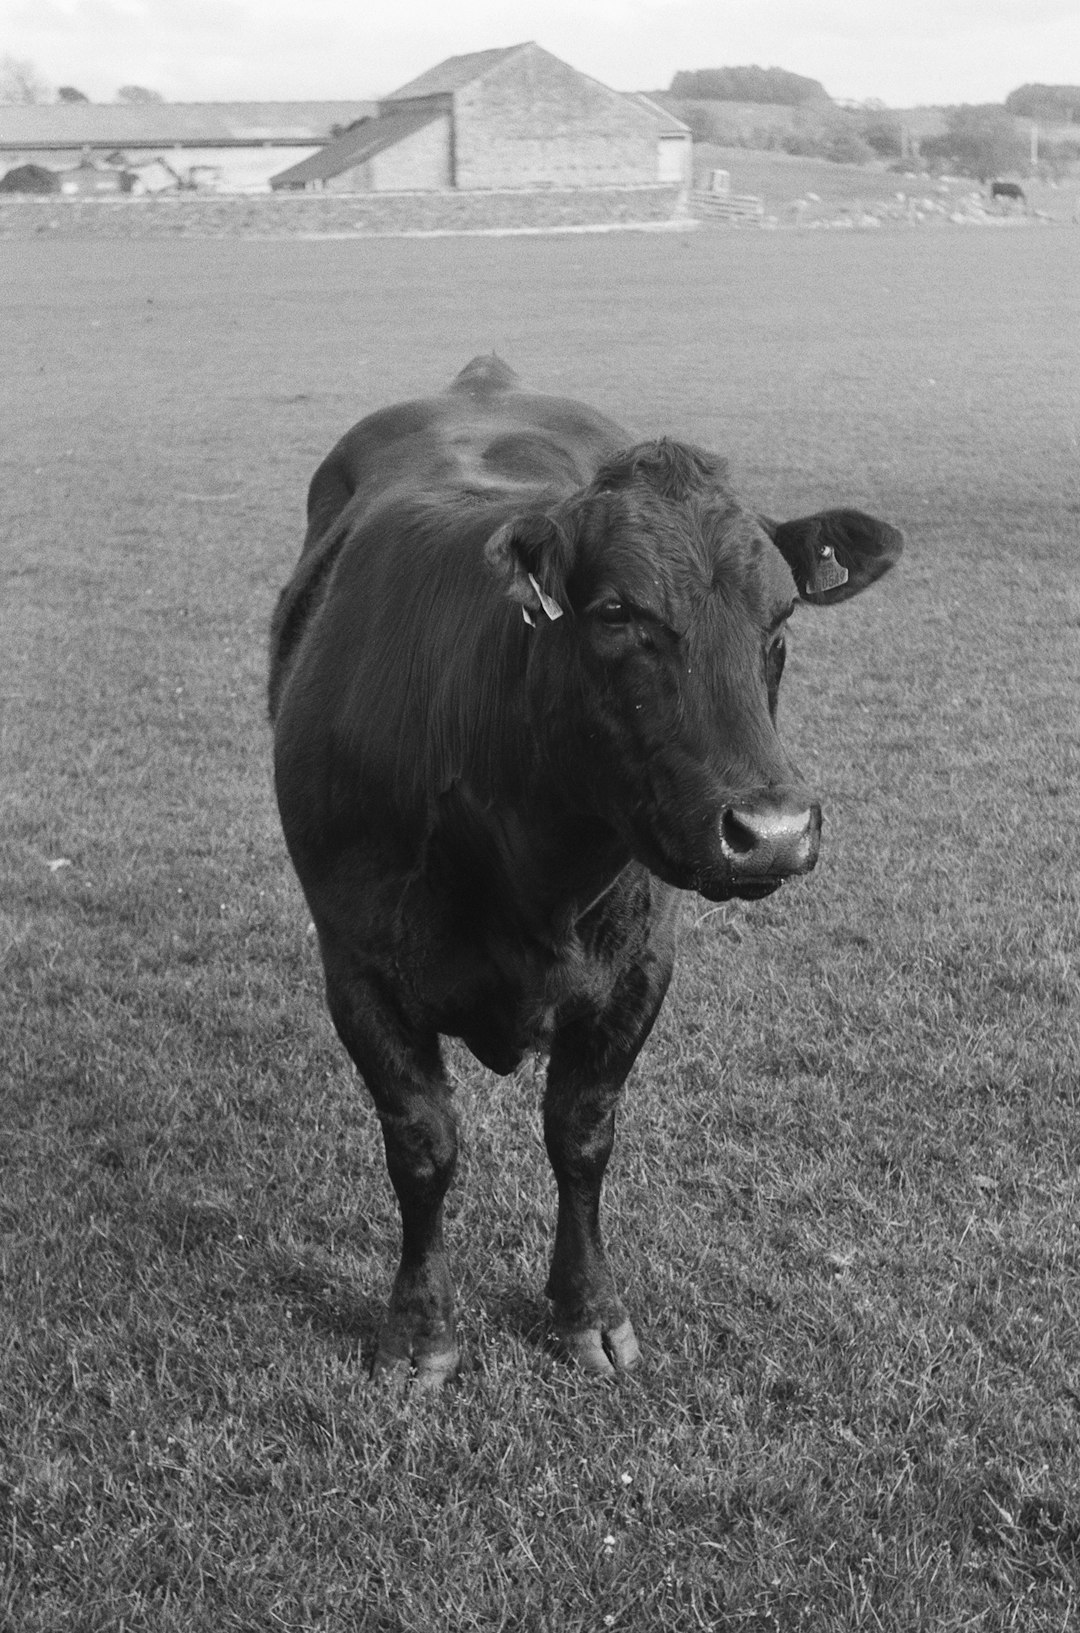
(1034, 143)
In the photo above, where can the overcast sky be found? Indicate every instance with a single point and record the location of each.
(903, 51)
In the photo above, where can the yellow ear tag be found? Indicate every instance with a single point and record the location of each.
(552, 608)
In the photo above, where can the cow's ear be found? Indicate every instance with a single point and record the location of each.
(836, 553)
(530, 554)
(676, 470)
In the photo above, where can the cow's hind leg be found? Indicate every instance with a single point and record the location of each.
(590, 1060)
(404, 1074)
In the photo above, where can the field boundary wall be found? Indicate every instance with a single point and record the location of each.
(301, 215)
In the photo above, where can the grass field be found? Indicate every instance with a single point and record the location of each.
(782, 179)
(845, 1202)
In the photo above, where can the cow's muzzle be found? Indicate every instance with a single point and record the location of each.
(767, 836)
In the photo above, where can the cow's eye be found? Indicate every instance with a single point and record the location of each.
(614, 612)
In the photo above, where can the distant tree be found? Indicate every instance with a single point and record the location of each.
(816, 131)
(68, 93)
(1059, 159)
(980, 140)
(846, 147)
(1059, 104)
(837, 141)
(21, 82)
(751, 84)
(883, 133)
(138, 93)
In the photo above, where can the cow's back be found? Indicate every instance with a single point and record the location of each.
(483, 434)
(483, 437)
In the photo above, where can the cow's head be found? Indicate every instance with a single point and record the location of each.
(659, 685)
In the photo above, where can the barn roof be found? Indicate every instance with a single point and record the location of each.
(454, 72)
(354, 146)
(173, 124)
(667, 122)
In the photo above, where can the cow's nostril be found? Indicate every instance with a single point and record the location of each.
(770, 838)
(736, 835)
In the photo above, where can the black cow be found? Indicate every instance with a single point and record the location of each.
(1007, 189)
(524, 685)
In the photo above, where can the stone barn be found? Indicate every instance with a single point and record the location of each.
(516, 118)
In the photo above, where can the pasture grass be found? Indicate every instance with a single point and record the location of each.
(781, 179)
(844, 1201)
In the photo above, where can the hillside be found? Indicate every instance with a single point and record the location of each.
(851, 134)
(738, 124)
(782, 180)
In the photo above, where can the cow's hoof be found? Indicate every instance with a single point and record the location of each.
(432, 1371)
(392, 1370)
(602, 1351)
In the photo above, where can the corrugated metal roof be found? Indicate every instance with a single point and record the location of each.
(355, 146)
(172, 124)
(453, 73)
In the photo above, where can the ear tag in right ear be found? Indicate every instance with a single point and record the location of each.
(528, 617)
(826, 572)
(552, 608)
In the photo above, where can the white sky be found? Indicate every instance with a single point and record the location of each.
(903, 51)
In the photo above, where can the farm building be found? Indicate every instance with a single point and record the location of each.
(233, 146)
(511, 118)
(90, 180)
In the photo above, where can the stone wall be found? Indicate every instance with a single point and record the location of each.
(285, 215)
(417, 162)
(537, 122)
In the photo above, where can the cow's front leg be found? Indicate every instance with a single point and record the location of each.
(589, 1318)
(405, 1076)
(590, 1061)
(420, 1136)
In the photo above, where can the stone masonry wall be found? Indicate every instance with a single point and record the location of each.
(285, 215)
(421, 160)
(537, 122)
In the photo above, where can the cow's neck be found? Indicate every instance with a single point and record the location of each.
(529, 869)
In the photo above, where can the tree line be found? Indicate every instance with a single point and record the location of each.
(20, 83)
(1056, 104)
(753, 84)
(981, 141)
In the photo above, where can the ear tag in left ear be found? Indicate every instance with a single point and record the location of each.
(528, 617)
(826, 572)
(552, 608)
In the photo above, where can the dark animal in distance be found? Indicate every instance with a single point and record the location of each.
(1007, 189)
(524, 684)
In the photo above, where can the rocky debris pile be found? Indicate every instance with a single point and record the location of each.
(950, 200)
